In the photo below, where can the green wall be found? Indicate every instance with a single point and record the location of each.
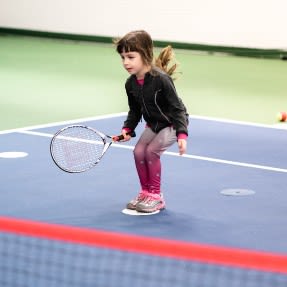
(47, 80)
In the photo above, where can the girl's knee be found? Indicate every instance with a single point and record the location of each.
(139, 151)
(152, 151)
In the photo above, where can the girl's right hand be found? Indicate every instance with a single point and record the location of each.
(125, 135)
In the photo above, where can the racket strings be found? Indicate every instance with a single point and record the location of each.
(77, 149)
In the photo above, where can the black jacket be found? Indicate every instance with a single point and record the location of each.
(157, 101)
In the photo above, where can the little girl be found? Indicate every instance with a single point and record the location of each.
(152, 95)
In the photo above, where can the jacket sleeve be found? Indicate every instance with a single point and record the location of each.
(177, 111)
(134, 113)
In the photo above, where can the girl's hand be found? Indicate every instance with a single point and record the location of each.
(181, 146)
(125, 135)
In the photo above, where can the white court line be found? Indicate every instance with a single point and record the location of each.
(217, 160)
(63, 123)
(227, 121)
(275, 126)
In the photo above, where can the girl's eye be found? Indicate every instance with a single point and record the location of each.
(127, 57)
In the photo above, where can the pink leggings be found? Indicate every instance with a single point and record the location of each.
(147, 154)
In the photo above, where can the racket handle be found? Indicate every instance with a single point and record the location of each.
(121, 137)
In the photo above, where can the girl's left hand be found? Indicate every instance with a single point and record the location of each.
(181, 146)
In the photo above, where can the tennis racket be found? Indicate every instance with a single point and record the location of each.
(78, 148)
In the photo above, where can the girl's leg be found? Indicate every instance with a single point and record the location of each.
(147, 159)
(142, 167)
(140, 157)
(154, 200)
(160, 143)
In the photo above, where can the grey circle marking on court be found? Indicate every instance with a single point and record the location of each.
(237, 192)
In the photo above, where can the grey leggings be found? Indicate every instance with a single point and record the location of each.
(147, 152)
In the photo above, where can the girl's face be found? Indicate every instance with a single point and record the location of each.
(133, 63)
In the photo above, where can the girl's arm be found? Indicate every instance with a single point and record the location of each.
(134, 114)
(177, 110)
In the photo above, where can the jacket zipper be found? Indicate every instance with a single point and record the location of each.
(144, 102)
(161, 112)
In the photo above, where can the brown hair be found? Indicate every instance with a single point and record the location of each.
(140, 41)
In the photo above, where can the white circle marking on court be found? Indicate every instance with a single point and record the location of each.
(13, 154)
(136, 213)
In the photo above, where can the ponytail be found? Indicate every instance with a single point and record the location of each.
(164, 59)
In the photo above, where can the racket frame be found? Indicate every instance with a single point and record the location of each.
(106, 145)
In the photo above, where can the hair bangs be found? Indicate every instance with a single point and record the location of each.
(127, 45)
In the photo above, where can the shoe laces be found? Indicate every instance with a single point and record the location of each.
(143, 193)
(152, 196)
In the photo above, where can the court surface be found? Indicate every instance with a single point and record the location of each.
(222, 156)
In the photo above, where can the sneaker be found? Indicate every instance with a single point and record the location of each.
(151, 203)
(141, 196)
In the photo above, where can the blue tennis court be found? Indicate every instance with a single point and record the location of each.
(67, 63)
(223, 157)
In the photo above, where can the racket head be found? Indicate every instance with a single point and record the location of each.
(77, 148)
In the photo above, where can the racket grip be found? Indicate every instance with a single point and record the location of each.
(121, 137)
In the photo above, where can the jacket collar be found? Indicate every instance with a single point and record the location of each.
(148, 76)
